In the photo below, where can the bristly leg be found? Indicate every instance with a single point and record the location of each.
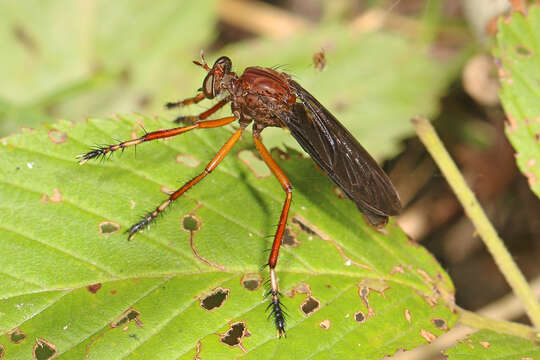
(275, 305)
(147, 219)
(190, 119)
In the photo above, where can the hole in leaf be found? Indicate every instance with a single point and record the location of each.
(289, 238)
(359, 317)
(94, 288)
(215, 300)
(523, 51)
(251, 282)
(440, 324)
(127, 316)
(310, 306)
(108, 228)
(234, 335)
(16, 336)
(57, 137)
(191, 223)
(44, 350)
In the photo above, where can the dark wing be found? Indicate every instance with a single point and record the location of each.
(341, 157)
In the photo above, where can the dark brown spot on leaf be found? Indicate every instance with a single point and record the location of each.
(127, 316)
(440, 324)
(359, 317)
(310, 305)
(215, 300)
(16, 336)
(44, 350)
(191, 223)
(57, 137)
(289, 238)
(108, 227)
(94, 288)
(2, 351)
(251, 282)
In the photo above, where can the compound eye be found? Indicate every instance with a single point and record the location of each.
(225, 63)
(208, 86)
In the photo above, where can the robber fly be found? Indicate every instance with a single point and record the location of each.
(266, 97)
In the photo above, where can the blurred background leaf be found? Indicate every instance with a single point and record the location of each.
(518, 59)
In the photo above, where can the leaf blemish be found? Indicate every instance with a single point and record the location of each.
(429, 337)
(440, 324)
(108, 227)
(289, 238)
(56, 197)
(94, 288)
(2, 351)
(16, 336)
(44, 350)
(325, 324)
(408, 315)
(233, 336)
(215, 299)
(57, 137)
(359, 317)
(310, 305)
(127, 316)
(523, 52)
(191, 223)
(251, 282)
(188, 160)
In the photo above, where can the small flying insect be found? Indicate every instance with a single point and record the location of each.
(266, 97)
(319, 60)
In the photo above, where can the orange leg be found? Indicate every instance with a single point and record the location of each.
(160, 134)
(193, 118)
(211, 166)
(272, 261)
(193, 100)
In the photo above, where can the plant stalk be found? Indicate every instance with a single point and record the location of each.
(474, 211)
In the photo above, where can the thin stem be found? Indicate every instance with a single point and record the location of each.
(477, 321)
(478, 217)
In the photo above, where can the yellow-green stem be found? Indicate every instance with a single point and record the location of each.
(477, 321)
(478, 217)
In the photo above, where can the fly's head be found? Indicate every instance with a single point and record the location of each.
(219, 77)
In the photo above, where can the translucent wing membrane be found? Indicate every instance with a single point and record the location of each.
(341, 157)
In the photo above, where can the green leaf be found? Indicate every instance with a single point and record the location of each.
(518, 59)
(72, 283)
(71, 59)
(486, 344)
